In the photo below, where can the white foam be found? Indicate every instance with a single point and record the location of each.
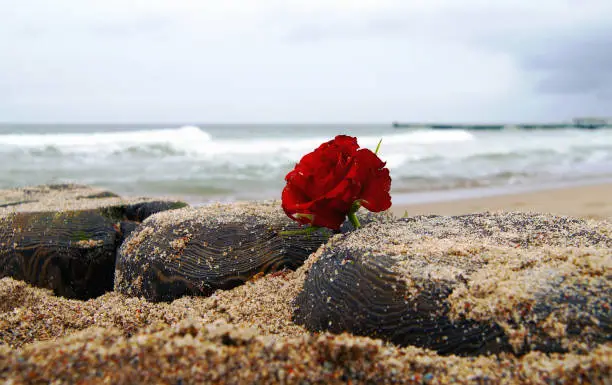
(180, 138)
(295, 148)
(419, 137)
(191, 139)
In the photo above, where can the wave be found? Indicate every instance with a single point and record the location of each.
(183, 137)
(191, 140)
(247, 162)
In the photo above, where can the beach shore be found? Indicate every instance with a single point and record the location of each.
(592, 201)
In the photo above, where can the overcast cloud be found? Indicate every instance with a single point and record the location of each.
(304, 61)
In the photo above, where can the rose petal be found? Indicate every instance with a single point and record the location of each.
(328, 214)
(345, 143)
(376, 181)
(302, 183)
(375, 194)
(292, 197)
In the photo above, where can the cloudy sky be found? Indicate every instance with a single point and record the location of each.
(304, 60)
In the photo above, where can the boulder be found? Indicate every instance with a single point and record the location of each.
(195, 251)
(65, 237)
(471, 284)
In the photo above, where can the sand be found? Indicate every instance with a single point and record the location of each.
(65, 197)
(246, 335)
(240, 336)
(593, 201)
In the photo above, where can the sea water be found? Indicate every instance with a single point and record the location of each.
(206, 162)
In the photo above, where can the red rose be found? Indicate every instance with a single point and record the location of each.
(323, 186)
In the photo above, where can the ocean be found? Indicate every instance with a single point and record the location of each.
(212, 162)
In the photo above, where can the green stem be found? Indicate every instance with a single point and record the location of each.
(354, 220)
(352, 215)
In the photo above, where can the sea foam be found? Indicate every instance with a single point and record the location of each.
(183, 138)
(193, 141)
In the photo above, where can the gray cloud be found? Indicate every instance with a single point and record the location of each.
(567, 52)
(562, 47)
(331, 61)
(575, 62)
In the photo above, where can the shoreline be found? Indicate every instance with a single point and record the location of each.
(455, 194)
(583, 198)
(592, 201)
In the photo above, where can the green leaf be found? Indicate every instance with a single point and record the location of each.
(306, 231)
(310, 217)
(378, 147)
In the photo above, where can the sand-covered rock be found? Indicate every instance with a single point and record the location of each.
(472, 284)
(75, 197)
(195, 251)
(246, 335)
(64, 237)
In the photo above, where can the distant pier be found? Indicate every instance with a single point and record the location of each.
(581, 123)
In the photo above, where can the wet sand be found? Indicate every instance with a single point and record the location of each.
(594, 202)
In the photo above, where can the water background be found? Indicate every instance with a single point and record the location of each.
(208, 162)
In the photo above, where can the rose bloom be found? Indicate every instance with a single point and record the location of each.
(323, 186)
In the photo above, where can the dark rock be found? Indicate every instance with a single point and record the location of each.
(473, 284)
(196, 251)
(65, 237)
(72, 253)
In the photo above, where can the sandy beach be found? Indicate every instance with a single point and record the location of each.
(248, 335)
(593, 202)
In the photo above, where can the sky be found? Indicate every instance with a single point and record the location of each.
(271, 61)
